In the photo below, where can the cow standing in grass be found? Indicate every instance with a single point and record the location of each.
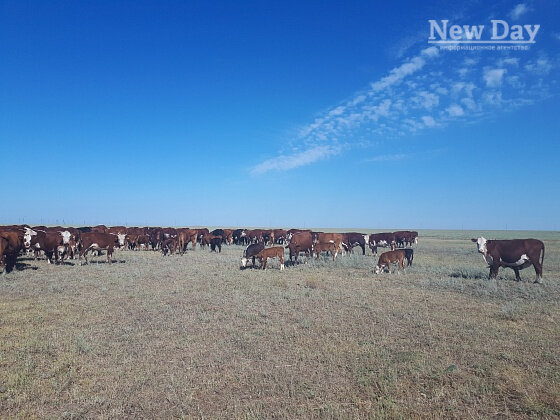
(274, 252)
(98, 241)
(516, 254)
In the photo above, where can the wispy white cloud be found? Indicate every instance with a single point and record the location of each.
(284, 163)
(519, 10)
(493, 77)
(428, 91)
(455, 110)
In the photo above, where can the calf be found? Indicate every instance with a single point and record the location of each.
(516, 254)
(98, 241)
(388, 258)
(250, 252)
(328, 246)
(274, 252)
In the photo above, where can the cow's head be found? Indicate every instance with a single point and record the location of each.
(378, 269)
(27, 237)
(65, 236)
(243, 262)
(121, 237)
(481, 244)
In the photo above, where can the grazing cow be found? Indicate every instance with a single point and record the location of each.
(516, 254)
(169, 246)
(388, 258)
(353, 239)
(273, 252)
(250, 252)
(98, 241)
(11, 243)
(325, 246)
(386, 239)
(216, 242)
(300, 242)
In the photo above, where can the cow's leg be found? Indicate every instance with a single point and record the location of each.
(517, 276)
(493, 271)
(281, 262)
(110, 255)
(263, 262)
(537, 266)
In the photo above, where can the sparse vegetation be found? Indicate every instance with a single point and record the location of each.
(195, 336)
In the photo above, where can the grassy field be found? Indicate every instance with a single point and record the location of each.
(194, 336)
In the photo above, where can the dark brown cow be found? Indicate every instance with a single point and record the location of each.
(386, 239)
(98, 241)
(388, 258)
(405, 238)
(51, 243)
(250, 252)
(273, 252)
(169, 246)
(353, 239)
(300, 242)
(516, 254)
(11, 243)
(216, 242)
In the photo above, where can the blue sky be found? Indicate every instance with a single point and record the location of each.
(320, 114)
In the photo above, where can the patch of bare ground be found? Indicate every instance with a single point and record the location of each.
(195, 336)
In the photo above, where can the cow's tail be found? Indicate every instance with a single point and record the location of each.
(542, 255)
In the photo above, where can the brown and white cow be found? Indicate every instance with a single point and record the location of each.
(516, 254)
(387, 259)
(250, 252)
(98, 241)
(51, 243)
(273, 252)
(385, 239)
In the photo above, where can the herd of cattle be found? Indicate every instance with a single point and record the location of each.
(58, 243)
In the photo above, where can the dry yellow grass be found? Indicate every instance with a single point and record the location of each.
(195, 336)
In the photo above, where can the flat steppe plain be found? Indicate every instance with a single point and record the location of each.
(194, 336)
